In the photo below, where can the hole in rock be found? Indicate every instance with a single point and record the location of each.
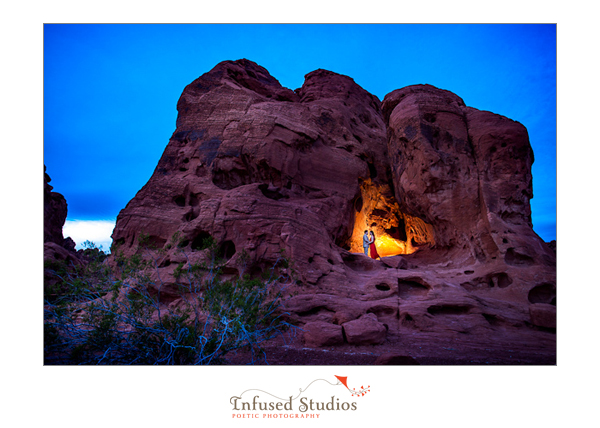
(372, 170)
(179, 200)
(314, 311)
(543, 293)
(191, 215)
(499, 279)
(503, 280)
(261, 270)
(270, 193)
(514, 258)
(227, 249)
(194, 201)
(202, 241)
(382, 287)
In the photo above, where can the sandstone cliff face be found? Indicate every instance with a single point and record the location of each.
(445, 188)
(466, 172)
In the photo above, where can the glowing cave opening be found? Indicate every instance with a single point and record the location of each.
(395, 232)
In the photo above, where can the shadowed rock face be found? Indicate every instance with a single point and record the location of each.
(57, 248)
(464, 171)
(262, 168)
(55, 213)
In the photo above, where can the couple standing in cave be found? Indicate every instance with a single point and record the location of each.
(369, 244)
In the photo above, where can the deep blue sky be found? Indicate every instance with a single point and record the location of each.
(110, 91)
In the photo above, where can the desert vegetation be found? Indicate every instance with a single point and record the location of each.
(110, 310)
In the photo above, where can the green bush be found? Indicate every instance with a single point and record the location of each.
(115, 316)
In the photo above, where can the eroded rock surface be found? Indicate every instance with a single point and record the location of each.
(445, 187)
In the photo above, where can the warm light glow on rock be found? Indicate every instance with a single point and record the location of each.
(388, 246)
(395, 232)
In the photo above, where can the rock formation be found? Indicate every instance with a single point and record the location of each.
(445, 187)
(56, 246)
(55, 213)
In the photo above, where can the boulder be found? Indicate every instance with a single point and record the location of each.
(543, 315)
(396, 262)
(365, 330)
(318, 334)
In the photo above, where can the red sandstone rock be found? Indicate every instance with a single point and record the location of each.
(57, 249)
(261, 168)
(396, 262)
(53, 251)
(543, 315)
(365, 331)
(55, 213)
(318, 334)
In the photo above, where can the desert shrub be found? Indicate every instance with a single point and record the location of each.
(116, 316)
(66, 282)
(92, 252)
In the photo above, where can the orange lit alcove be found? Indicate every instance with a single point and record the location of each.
(395, 232)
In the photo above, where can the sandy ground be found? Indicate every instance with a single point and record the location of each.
(529, 347)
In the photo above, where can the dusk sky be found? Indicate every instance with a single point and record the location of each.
(110, 92)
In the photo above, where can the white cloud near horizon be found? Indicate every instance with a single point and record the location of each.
(97, 231)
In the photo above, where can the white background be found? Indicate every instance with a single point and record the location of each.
(34, 395)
